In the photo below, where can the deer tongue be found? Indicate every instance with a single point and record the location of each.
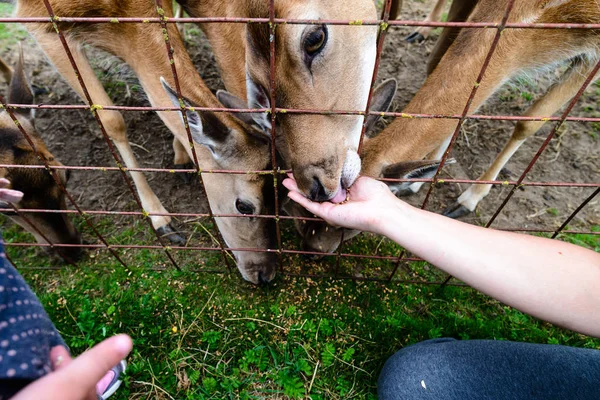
(340, 196)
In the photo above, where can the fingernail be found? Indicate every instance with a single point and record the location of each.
(123, 343)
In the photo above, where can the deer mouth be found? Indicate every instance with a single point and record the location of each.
(350, 172)
(341, 195)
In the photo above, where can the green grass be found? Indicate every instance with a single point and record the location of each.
(10, 34)
(214, 336)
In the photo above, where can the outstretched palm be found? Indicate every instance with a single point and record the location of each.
(367, 203)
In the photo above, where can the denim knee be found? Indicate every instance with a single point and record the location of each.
(406, 374)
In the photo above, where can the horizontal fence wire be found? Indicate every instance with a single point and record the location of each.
(296, 21)
(383, 24)
(277, 110)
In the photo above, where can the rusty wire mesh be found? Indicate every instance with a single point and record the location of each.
(383, 24)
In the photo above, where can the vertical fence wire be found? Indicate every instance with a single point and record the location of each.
(170, 56)
(94, 110)
(57, 180)
(464, 114)
(273, 111)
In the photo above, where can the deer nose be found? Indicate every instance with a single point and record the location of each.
(317, 192)
(262, 280)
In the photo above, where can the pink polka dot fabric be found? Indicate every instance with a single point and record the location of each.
(26, 332)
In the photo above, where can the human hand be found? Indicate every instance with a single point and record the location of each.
(9, 195)
(76, 379)
(368, 202)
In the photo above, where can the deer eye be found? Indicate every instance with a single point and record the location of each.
(244, 207)
(314, 43)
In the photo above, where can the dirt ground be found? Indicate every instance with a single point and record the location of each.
(574, 156)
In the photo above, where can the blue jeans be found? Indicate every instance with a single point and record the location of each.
(449, 369)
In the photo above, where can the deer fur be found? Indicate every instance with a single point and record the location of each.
(221, 141)
(40, 190)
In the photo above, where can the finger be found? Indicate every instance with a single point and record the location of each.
(11, 196)
(290, 184)
(4, 183)
(60, 357)
(87, 369)
(313, 207)
(78, 380)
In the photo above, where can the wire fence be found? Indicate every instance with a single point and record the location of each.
(403, 259)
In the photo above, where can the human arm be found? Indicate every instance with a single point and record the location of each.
(548, 279)
(76, 379)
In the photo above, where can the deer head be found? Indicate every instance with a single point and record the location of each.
(318, 236)
(40, 190)
(245, 148)
(323, 67)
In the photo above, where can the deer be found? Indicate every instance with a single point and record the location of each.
(220, 140)
(519, 51)
(311, 60)
(453, 68)
(40, 190)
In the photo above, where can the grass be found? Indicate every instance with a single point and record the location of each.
(213, 336)
(10, 34)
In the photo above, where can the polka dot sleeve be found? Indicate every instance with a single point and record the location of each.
(26, 332)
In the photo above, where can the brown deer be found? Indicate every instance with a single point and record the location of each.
(40, 190)
(221, 140)
(453, 68)
(519, 51)
(323, 67)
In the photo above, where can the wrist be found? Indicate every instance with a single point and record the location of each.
(395, 220)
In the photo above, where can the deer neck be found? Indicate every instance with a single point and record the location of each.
(227, 40)
(445, 92)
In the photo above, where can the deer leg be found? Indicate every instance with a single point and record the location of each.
(182, 160)
(552, 101)
(459, 12)
(113, 123)
(422, 32)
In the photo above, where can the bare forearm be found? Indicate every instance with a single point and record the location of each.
(548, 279)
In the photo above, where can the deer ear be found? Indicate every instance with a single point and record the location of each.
(424, 169)
(19, 91)
(205, 127)
(382, 99)
(258, 98)
(230, 101)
